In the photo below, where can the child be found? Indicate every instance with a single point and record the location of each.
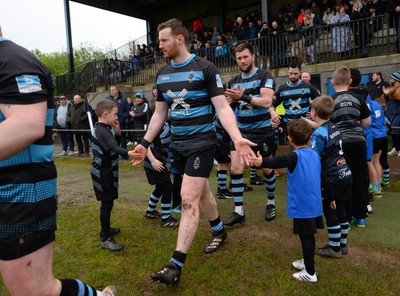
(304, 203)
(336, 177)
(158, 175)
(104, 170)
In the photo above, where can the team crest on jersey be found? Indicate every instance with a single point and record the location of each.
(269, 83)
(219, 81)
(191, 76)
(28, 83)
(196, 163)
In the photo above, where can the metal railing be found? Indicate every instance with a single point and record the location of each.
(371, 36)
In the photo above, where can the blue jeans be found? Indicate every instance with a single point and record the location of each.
(67, 140)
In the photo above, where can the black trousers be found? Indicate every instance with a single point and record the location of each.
(356, 157)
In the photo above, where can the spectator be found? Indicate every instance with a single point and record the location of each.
(228, 25)
(221, 52)
(61, 123)
(123, 110)
(328, 15)
(252, 31)
(310, 35)
(375, 87)
(240, 31)
(301, 16)
(264, 46)
(341, 32)
(392, 97)
(130, 124)
(139, 115)
(360, 28)
(214, 38)
(278, 44)
(209, 52)
(197, 26)
(292, 27)
(393, 8)
(78, 118)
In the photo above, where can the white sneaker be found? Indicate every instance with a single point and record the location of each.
(393, 152)
(369, 208)
(304, 276)
(63, 153)
(299, 264)
(109, 291)
(129, 143)
(71, 153)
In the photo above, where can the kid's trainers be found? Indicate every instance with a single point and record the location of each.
(393, 152)
(299, 264)
(304, 276)
(109, 291)
(169, 275)
(111, 244)
(113, 231)
(270, 213)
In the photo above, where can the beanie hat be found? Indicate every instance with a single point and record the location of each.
(139, 94)
(395, 76)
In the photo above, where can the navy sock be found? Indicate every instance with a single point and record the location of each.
(71, 287)
(178, 259)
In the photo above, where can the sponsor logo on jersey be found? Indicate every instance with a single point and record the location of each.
(219, 81)
(341, 161)
(269, 83)
(28, 83)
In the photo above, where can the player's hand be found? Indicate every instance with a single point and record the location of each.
(243, 148)
(117, 127)
(275, 117)
(138, 154)
(157, 165)
(235, 93)
(333, 205)
(256, 160)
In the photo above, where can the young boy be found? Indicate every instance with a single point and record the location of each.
(336, 176)
(304, 203)
(155, 166)
(104, 170)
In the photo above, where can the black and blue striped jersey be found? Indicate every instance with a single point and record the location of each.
(350, 109)
(188, 88)
(28, 180)
(295, 98)
(253, 120)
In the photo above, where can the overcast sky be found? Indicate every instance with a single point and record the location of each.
(40, 24)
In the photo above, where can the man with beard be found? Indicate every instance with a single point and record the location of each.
(191, 87)
(251, 92)
(295, 95)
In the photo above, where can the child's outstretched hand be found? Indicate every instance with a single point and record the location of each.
(256, 160)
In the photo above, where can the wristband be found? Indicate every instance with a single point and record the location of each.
(145, 143)
(246, 98)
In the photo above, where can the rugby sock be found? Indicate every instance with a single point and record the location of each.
(344, 231)
(217, 226)
(221, 179)
(178, 259)
(237, 191)
(334, 235)
(76, 287)
(153, 201)
(253, 173)
(166, 200)
(270, 182)
(385, 177)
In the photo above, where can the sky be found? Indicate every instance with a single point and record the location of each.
(40, 24)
